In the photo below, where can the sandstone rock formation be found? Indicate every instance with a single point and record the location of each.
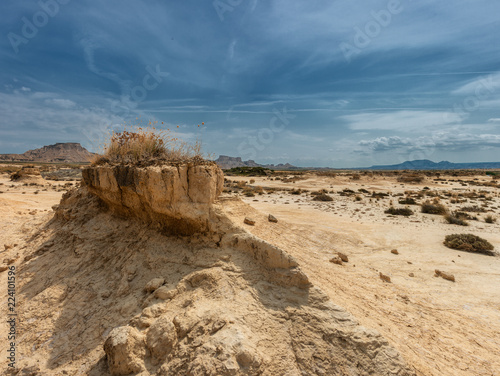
(178, 198)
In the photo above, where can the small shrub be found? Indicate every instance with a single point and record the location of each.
(451, 219)
(411, 178)
(469, 243)
(433, 208)
(249, 194)
(358, 198)
(317, 193)
(252, 181)
(407, 201)
(322, 197)
(473, 209)
(490, 219)
(399, 211)
(464, 215)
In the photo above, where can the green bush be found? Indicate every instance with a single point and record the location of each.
(469, 243)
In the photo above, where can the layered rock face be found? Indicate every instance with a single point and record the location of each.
(178, 198)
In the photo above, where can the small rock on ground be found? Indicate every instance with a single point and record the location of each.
(447, 276)
(249, 221)
(343, 256)
(384, 277)
(336, 260)
(272, 218)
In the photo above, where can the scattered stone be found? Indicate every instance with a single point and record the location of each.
(272, 218)
(7, 246)
(161, 337)
(447, 276)
(125, 350)
(154, 284)
(343, 256)
(3, 268)
(384, 277)
(395, 251)
(409, 262)
(411, 275)
(249, 221)
(165, 293)
(336, 260)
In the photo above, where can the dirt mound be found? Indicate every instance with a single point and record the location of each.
(28, 174)
(102, 294)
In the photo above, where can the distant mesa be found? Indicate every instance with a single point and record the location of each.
(225, 162)
(62, 152)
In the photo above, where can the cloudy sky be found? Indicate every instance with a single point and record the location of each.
(323, 83)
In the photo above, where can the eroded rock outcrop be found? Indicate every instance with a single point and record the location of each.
(179, 198)
(217, 302)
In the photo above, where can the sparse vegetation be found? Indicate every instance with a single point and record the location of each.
(473, 209)
(399, 211)
(469, 243)
(433, 208)
(248, 171)
(490, 219)
(142, 145)
(407, 201)
(454, 220)
(322, 197)
(411, 178)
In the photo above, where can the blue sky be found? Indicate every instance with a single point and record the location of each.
(324, 83)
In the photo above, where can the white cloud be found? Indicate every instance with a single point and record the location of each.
(444, 141)
(63, 103)
(414, 121)
(24, 88)
(482, 87)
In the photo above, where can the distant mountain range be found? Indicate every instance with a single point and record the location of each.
(425, 164)
(63, 152)
(226, 162)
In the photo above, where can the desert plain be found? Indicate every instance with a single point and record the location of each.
(440, 327)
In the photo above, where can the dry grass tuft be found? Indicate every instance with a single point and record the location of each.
(433, 208)
(144, 145)
(399, 211)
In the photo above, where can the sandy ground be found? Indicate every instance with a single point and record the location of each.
(440, 327)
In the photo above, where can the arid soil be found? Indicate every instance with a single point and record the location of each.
(68, 306)
(440, 327)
